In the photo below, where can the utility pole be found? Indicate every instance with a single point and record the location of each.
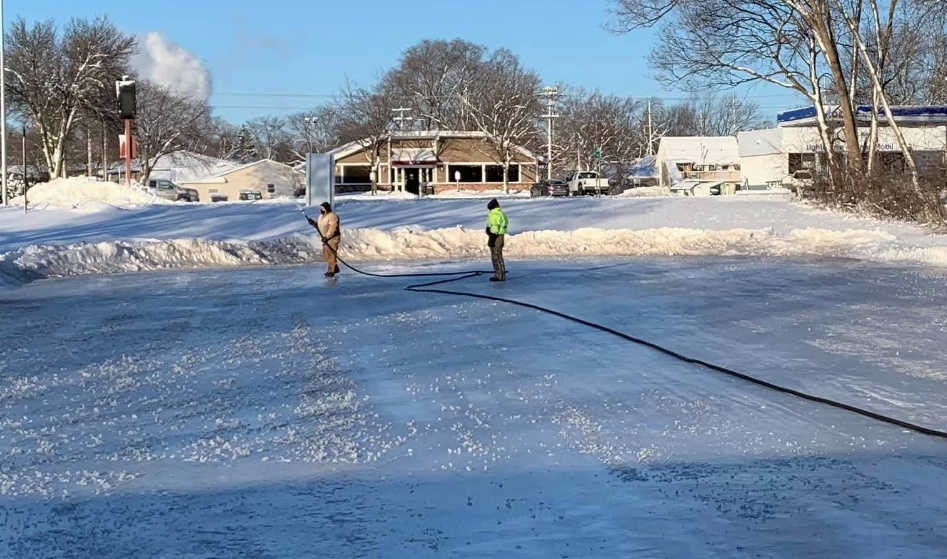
(310, 129)
(126, 92)
(552, 97)
(3, 112)
(401, 118)
(650, 131)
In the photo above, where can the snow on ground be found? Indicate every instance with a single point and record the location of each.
(60, 242)
(377, 197)
(87, 194)
(481, 194)
(647, 192)
(271, 413)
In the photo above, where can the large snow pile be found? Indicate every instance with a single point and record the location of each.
(37, 262)
(78, 191)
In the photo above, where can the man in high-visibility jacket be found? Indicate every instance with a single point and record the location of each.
(497, 224)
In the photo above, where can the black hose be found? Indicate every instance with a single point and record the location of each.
(459, 276)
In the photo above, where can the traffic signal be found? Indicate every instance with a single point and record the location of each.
(127, 98)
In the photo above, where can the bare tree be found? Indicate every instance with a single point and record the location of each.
(429, 78)
(269, 136)
(167, 121)
(365, 117)
(503, 103)
(54, 78)
(592, 121)
(313, 131)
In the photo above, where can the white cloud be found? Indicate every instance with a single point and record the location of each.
(168, 64)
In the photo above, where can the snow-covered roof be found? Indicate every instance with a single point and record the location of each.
(181, 166)
(219, 177)
(351, 148)
(644, 168)
(760, 142)
(704, 150)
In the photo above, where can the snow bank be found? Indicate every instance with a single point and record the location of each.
(476, 194)
(647, 192)
(81, 191)
(36, 262)
(368, 196)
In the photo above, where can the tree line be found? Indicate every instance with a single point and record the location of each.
(60, 86)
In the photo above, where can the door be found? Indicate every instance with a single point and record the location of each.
(412, 181)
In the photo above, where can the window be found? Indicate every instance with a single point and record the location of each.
(357, 174)
(514, 173)
(799, 161)
(495, 173)
(271, 189)
(586, 175)
(468, 173)
(165, 185)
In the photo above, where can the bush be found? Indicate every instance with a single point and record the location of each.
(885, 193)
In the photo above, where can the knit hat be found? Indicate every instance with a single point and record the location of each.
(326, 207)
(493, 204)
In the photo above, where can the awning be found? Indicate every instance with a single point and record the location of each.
(413, 156)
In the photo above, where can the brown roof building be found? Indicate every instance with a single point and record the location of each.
(444, 160)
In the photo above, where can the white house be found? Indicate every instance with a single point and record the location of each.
(697, 160)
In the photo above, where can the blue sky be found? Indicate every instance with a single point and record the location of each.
(310, 47)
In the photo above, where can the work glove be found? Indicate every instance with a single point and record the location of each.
(492, 242)
(325, 241)
(312, 221)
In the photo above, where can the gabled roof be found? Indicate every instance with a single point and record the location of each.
(356, 146)
(180, 166)
(218, 178)
(705, 150)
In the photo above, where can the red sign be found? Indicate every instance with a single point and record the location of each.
(122, 147)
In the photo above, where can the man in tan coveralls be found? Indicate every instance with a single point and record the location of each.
(328, 227)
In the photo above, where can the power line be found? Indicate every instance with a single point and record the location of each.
(644, 96)
(261, 107)
(319, 95)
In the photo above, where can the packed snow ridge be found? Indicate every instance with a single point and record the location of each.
(37, 262)
(86, 193)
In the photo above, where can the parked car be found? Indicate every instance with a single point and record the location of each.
(247, 194)
(218, 198)
(587, 182)
(170, 191)
(553, 187)
(190, 194)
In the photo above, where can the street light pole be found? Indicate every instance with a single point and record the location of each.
(3, 111)
(310, 129)
(552, 95)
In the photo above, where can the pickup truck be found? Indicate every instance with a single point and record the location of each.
(587, 182)
(170, 191)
